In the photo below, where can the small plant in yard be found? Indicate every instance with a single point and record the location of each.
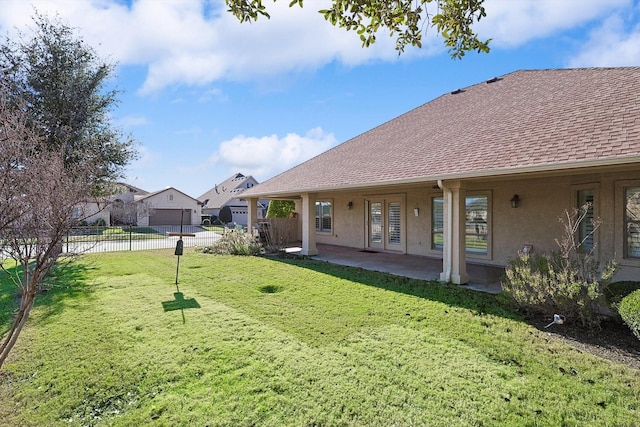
(570, 281)
(630, 311)
(234, 242)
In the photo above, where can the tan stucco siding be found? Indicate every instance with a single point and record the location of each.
(171, 199)
(534, 222)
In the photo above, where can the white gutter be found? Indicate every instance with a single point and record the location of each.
(447, 246)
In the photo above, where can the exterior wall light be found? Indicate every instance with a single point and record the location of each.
(515, 200)
(350, 205)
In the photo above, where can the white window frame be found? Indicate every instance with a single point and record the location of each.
(321, 230)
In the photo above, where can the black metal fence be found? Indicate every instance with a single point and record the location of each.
(130, 238)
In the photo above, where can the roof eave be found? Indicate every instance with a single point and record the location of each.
(485, 173)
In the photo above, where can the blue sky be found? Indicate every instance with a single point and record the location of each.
(206, 97)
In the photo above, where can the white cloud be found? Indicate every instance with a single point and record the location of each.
(513, 23)
(180, 44)
(609, 46)
(264, 157)
(196, 42)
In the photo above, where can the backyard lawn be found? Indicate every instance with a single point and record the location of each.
(248, 341)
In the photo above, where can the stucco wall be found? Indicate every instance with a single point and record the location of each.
(171, 199)
(534, 222)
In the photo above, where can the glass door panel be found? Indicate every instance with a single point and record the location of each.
(375, 224)
(395, 222)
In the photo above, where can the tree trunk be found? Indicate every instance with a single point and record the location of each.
(26, 303)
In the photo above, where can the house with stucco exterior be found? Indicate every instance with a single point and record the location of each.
(168, 207)
(129, 205)
(483, 172)
(118, 208)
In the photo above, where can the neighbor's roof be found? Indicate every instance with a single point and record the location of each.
(226, 191)
(155, 193)
(532, 120)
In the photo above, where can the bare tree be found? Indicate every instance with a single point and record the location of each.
(38, 197)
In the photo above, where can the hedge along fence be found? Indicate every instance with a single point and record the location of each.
(630, 311)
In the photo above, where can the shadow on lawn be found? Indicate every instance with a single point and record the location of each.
(67, 281)
(615, 341)
(480, 302)
(180, 303)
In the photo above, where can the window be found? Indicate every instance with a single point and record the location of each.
(585, 229)
(323, 216)
(476, 224)
(632, 221)
(437, 223)
(170, 197)
(476, 228)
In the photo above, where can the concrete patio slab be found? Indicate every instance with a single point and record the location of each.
(481, 277)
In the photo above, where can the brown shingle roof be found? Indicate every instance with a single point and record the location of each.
(228, 190)
(524, 121)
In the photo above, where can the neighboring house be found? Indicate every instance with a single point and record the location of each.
(228, 194)
(480, 173)
(116, 209)
(168, 207)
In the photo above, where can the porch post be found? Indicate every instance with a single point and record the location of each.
(309, 224)
(252, 214)
(454, 259)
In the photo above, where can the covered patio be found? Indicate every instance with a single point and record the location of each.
(481, 278)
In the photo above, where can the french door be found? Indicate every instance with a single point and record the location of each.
(385, 224)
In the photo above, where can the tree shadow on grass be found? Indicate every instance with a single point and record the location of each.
(453, 295)
(67, 282)
(615, 341)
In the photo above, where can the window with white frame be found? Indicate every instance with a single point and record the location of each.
(632, 221)
(324, 216)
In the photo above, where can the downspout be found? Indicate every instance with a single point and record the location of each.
(448, 247)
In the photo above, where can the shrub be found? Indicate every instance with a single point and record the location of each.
(618, 290)
(570, 281)
(115, 230)
(235, 242)
(538, 283)
(100, 222)
(630, 311)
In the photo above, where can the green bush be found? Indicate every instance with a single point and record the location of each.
(630, 311)
(100, 222)
(618, 290)
(234, 242)
(116, 230)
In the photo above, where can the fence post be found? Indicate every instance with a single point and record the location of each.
(130, 238)
(68, 240)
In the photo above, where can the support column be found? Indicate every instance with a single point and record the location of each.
(454, 260)
(309, 224)
(252, 215)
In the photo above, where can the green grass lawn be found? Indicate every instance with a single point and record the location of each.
(255, 341)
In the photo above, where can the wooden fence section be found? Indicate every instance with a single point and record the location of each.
(278, 232)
